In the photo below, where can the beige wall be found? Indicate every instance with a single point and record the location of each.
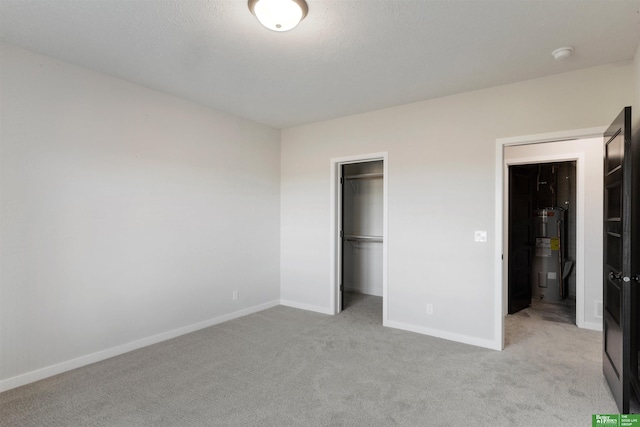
(128, 216)
(441, 180)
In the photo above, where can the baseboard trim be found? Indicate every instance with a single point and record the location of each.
(464, 339)
(98, 356)
(594, 326)
(308, 307)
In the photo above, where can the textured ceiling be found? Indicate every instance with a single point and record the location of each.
(346, 57)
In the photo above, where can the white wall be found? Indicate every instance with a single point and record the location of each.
(592, 151)
(126, 213)
(441, 189)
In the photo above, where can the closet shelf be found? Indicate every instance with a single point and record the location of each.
(360, 238)
(365, 176)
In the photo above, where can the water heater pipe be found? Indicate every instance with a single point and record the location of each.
(560, 266)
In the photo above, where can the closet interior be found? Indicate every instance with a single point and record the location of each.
(362, 229)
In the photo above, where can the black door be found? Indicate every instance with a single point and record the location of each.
(619, 362)
(342, 239)
(521, 186)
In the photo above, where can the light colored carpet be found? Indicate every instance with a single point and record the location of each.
(287, 367)
(561, 311)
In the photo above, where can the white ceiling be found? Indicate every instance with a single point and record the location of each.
(346, 57)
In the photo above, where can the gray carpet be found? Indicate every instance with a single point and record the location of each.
(288, 367)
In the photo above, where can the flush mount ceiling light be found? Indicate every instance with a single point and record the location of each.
(279, 15)
(562, 53)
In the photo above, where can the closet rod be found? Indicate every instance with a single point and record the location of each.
(365, 176)
(360, 238)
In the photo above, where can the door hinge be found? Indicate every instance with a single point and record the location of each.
(341, 287)
(341, 233)
(341, 180)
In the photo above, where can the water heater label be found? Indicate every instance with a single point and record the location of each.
(555, 243)
(543, 247)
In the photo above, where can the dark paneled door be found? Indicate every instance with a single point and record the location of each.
(619, 313)
(521, 186)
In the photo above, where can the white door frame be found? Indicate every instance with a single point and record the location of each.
(335, 224)
(501, 198)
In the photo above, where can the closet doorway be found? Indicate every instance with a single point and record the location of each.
(359, 226)
(361, 233)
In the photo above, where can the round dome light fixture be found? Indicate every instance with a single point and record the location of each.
(562, 53)
(279, 15)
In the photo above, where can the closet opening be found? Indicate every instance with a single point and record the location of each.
(361, 225)
(542, 240)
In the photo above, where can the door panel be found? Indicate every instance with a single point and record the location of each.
(521, 189)
(342, 239)
(635, 261)
(617, 304)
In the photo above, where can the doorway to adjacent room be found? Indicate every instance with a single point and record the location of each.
(542, 240)
(584, 148)
(359, 229)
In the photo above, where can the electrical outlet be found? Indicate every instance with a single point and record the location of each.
(481, 236)
(235, 295)
(429, 308)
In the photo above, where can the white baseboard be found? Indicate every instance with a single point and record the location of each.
(308, 307)
(594, 326)
(78, 362)
(465, 339)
